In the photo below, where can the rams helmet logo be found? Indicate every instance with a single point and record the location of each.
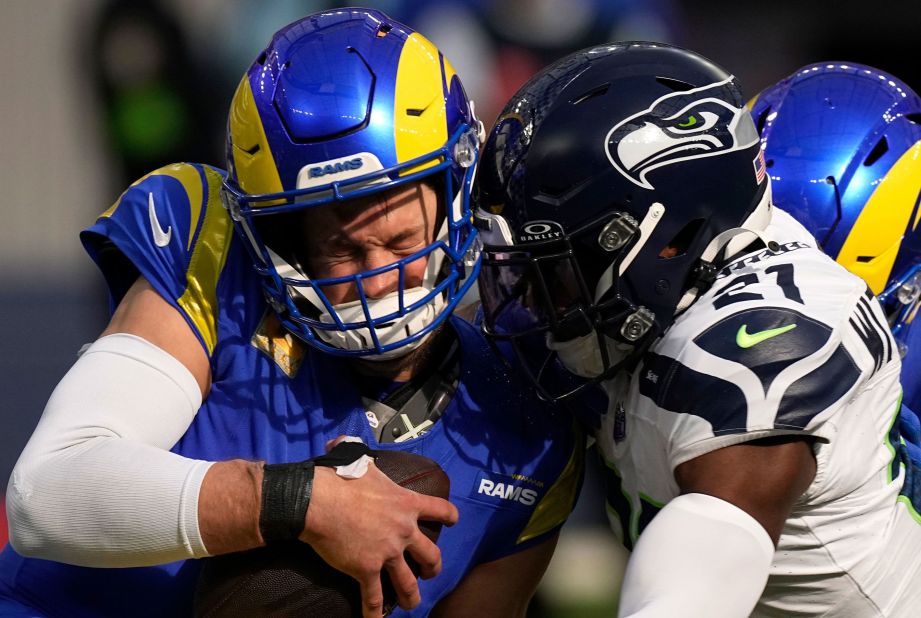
(679, 126)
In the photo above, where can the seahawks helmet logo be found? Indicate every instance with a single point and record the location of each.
(679, 126)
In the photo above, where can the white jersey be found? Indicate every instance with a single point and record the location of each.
(786, 342)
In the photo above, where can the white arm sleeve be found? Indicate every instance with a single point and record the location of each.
(96, 484)
(700, 557)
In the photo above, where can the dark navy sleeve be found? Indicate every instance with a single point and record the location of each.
(761, 371)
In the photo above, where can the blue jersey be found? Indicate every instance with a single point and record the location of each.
(515, 465)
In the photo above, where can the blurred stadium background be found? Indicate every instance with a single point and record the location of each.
(98, 92)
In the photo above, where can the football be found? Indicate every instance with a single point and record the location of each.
(279, 581)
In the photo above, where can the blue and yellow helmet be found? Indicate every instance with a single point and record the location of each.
(842, 144)
(341, 105)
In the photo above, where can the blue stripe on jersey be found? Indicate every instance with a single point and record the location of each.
(895, 442)
(770, 356)
(676, 387)
(907, 456)
(817, 390)
(618, 502)
(632, 521)
(649, 508)
(874, 336)
(911, 366)
(910, 494)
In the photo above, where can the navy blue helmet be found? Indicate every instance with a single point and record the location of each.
(611, 185)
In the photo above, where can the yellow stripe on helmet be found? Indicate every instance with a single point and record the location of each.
(751, 102)
(253, 161)
(879, 228)
(420, 119)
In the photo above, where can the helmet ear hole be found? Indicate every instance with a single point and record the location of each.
(682, 241)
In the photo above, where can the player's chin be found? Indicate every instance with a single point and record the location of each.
(385, 368)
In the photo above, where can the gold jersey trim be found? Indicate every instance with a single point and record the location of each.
(278, 344)
(199, 300)
(558, 502)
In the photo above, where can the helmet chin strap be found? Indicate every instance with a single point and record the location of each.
(582, 355)
(395, 330)
(733, 241)
(721, 240)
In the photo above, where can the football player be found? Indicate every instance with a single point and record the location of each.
(750, 435)
(343, 223)
(842, 144)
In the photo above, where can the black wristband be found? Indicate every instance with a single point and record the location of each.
(286, 490)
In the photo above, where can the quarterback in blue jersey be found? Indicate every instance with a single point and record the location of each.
(850, 172)
(750, 442)
(261, 313)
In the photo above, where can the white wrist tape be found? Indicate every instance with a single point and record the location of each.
(700, 557)
(96, 484)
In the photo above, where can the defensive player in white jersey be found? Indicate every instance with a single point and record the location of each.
(749, 433)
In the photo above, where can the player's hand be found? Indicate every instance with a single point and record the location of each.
(363, 526)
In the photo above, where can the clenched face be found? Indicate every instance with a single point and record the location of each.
(369, 233)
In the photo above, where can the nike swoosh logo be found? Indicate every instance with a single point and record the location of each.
(747, 340)
(161, 238)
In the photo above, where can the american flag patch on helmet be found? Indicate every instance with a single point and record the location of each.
(760, 167)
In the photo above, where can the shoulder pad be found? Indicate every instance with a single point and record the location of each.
(759, 369)
(171, 228)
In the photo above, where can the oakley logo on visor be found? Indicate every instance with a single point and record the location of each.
(537, 231)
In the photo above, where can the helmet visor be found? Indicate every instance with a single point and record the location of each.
(525, 292)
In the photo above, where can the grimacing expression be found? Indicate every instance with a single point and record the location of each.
(368, 233)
